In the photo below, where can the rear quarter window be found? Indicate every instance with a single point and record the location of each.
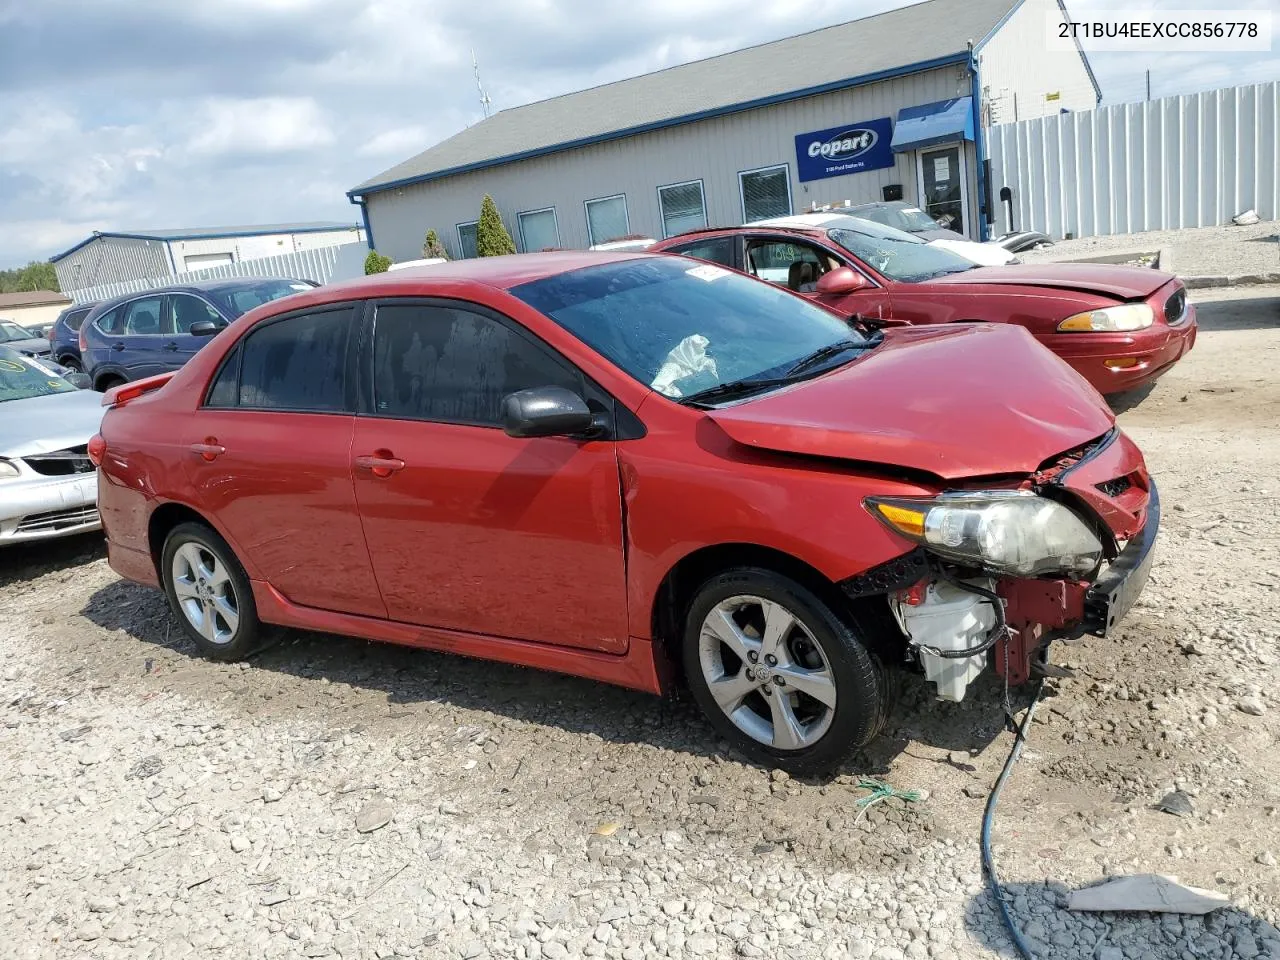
(75, 319)
(110, 321)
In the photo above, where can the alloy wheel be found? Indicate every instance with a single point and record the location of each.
(767, 672)
(206, 593)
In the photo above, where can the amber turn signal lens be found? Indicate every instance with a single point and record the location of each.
(1120, 363)
(908, 521)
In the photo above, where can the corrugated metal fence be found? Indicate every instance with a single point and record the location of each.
(1188, 161)
(321, 264)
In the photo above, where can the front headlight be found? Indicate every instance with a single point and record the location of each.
(1006, 531)
(8, 470)
(1128, 316)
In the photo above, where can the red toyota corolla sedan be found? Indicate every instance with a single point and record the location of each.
(638, 469)
(1119, 327)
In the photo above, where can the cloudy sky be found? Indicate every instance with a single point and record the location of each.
(132, 114)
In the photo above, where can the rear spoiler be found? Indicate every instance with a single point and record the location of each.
(119, 396)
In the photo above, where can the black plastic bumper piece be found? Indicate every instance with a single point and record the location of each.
(1114, 593)
(896, 574)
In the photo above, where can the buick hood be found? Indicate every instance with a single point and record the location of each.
(44, 424)
(1124, 283)
(955, 401)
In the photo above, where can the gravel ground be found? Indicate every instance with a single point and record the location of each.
(334, 798)
(1204, 251)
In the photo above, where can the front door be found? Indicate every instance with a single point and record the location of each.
(797, 265)
(944, 186)
(184, 309)
(270, 459)
(470, 529)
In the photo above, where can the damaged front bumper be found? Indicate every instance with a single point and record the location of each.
(1036, 612)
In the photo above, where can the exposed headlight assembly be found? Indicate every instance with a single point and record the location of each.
(1127, 316)
(1005, 531)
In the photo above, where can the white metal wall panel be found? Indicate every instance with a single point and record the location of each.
(1188, 161)
(107, 259)
(713, 150)
(1018, 72)
(321, 264)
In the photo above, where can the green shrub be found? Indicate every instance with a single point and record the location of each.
(376, 263)
(492, 239)
(432, 247)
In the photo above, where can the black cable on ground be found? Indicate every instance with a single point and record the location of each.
(988, 863)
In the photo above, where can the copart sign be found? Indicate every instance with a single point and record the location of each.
(853, 148)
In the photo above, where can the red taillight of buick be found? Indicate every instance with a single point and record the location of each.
(97, 448)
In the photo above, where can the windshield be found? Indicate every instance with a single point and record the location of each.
(898, 255)
(901, 217)
(10, 331)
(243, 299)
(684, 328)
(22, 377)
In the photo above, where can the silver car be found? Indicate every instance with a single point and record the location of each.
(48, 486)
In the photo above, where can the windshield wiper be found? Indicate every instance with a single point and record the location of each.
(734, 388)
(824, 353)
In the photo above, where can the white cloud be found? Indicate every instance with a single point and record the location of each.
(259, 125)
(400, 143)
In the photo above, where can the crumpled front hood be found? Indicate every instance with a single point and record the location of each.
(44, 424)
(1125, 283)
(956, 401)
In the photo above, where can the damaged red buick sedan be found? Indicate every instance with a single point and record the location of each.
(638, 469)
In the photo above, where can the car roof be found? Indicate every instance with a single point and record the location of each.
(193, 286)
(499, 272)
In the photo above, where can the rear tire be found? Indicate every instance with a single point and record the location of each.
(209, 593)
(72, 364)
(106, 383)
(779, 674)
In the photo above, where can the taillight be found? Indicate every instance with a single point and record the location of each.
(48, 334)
(83, 345)
(97, 448)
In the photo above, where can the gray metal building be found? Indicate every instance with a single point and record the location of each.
(894, 102)
(119, 256)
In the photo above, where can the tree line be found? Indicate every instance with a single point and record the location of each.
(36, 275)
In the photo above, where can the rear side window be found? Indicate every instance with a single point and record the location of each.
(75, 319)
(298, 363)
(453, 365)
(715, 249)
(109, 322)
(142, 317)
(226, 385)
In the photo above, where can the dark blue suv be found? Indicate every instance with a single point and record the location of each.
(155, 331)
(64, 336)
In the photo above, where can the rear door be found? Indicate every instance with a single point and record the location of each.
(271, 459)
(470, 529)
(798, 265)
(726, 250)
(182, 310)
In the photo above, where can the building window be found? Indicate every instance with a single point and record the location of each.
(467, 239)
(765, 193)
(683, 207)
(607, 219)
(538, 230)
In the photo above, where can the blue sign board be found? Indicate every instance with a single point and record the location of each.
(852, 148)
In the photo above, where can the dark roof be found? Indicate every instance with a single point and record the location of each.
(192, 286)
(214, 233)
(900, 41)
(33, 298)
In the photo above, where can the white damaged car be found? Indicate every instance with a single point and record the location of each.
(48, 485)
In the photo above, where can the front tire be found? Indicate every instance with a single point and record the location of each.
(779, 674)
(209, 593)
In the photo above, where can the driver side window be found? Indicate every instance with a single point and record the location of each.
(184, 310)
(787, 263)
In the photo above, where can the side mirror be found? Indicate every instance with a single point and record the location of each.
(203, 328)
(546, 412)
(79, 380)
(841, 281)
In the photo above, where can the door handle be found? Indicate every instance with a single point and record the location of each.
(170, 346)
(117, 345)
(381, 464)
(210, 450)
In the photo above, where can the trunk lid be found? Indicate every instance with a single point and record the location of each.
(1124, 283)
(956, 401)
